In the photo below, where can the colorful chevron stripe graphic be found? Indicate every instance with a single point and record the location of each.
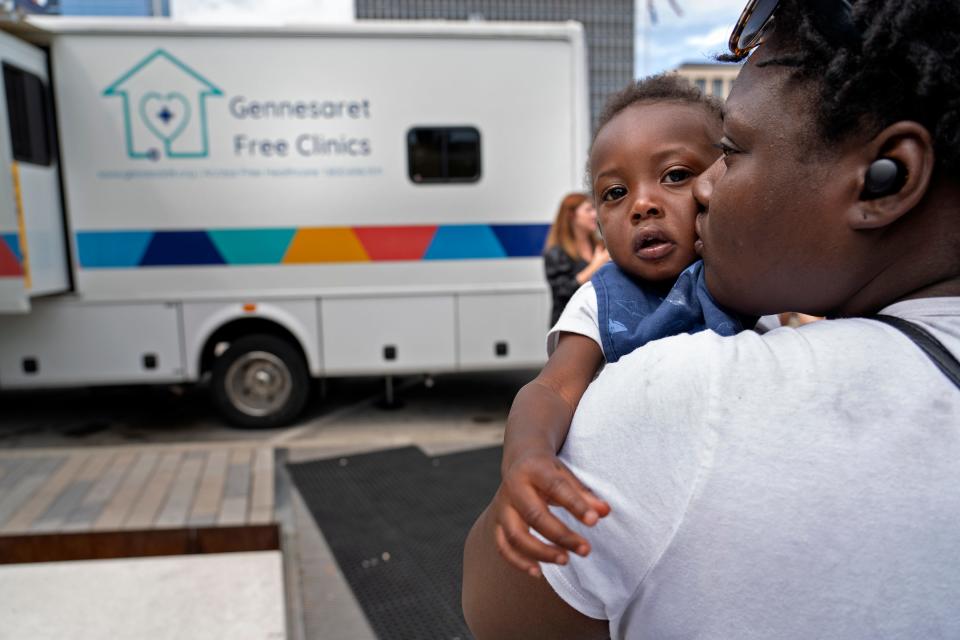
(307, 245)
(11, 258)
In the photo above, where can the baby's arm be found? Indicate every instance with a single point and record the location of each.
(541, 413)
(533, 477)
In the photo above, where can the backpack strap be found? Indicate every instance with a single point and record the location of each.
(944, 360)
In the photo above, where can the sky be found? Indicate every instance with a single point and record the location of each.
(697, 35)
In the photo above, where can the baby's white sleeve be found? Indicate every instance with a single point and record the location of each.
(579, 316)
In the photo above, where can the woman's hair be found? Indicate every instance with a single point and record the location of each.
(663, 87)
(904, 65)
(561, 233)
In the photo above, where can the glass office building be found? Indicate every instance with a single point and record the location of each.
(608, 24)
(96, 7)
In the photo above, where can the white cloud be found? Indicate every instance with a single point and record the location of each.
(716, 37)
(696, 36)
(693, 10)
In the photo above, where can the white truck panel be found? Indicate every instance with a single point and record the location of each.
(13, 292)
(499, 330)
(76, 343)
(405, 82)
(31, 219)
(13, 295)
(209, 168)
(202, 319)
(419, 330)
(521, 95)
(46, 238)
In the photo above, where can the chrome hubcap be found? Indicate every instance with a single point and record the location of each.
(258, 383)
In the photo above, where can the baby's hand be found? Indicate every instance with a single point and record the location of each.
(529, 486)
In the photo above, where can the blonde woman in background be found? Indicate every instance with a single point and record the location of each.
(574, 250)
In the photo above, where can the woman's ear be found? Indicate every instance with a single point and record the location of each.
(887, 189)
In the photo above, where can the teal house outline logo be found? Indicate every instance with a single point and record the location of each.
(164, 108)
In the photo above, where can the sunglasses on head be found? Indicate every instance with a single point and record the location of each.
(757, 18)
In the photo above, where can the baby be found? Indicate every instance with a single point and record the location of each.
(653, 139)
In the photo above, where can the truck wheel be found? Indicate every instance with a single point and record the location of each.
(260, 382)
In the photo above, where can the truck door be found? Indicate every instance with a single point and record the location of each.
(33, 254)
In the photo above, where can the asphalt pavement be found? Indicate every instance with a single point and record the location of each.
(343, 413)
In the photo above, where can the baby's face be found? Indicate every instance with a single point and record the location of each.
(643, 164)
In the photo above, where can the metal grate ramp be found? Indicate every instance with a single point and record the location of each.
(396, 521)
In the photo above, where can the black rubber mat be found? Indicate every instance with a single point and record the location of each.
(396, 521)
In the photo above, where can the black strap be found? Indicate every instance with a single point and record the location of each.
(938, 353)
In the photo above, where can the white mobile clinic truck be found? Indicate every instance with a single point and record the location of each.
(262, 206)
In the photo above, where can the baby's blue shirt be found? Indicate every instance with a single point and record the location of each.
(631, 314)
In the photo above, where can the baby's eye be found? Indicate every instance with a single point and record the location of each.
(677, 175)
(613, 193)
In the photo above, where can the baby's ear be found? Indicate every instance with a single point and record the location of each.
(894, 175)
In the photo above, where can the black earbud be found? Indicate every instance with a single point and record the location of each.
(885, 177)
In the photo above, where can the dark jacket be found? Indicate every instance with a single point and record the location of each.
(561, 270)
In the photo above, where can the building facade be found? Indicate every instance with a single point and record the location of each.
(715, 79)
(23, 7)
(608, 26)
(94, 7)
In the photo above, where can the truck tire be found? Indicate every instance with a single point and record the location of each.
(260, 382)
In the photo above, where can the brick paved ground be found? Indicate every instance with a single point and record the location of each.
(110, 489)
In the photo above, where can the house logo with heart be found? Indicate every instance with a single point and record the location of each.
(164, 108)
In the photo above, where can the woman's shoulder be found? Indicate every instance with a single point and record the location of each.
(851, 348)
(684, 358)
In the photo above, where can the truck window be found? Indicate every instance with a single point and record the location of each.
(443, 154)
(28, 115)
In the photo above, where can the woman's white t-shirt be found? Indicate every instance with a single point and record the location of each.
(797, 484)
